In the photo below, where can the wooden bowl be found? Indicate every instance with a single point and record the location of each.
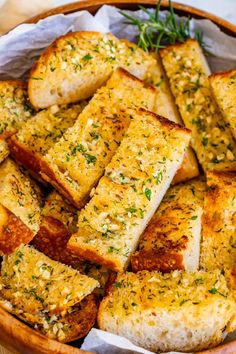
(15, 335)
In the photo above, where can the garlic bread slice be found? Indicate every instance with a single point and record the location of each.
(127, 196)
(59, 221)
(180, 311)
(218, 249)
(40, 133)
(165, 107)
(172, 238)
(224, 89)
(64, 328)
(15, 110)
(74, 66)
(20, 207)
(188, 73)
(34, 283)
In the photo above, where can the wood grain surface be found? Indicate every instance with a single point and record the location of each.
(15, 335)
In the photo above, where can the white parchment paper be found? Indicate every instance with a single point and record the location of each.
(21, 47)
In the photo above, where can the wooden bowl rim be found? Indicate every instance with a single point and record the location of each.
(14, 334)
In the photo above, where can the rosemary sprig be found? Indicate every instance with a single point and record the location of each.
(155, 33)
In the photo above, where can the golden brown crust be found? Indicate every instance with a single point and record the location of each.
(127, 74)
(170, 47)
(52, 239)
(219, 220)
(82, 320)
(109, 283)
(49, 176)
(93, 256)
(17, 83)
(13, 232)
(221, 74)
(166, 122)
(164, 262)
(77, 323)
(26, 157)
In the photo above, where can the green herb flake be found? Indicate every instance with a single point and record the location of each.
(148, 193)
(87, 57)
(204, 141)
(91, 159)
(214, 291)
(159, 177)
(117, 285)
(193, 217)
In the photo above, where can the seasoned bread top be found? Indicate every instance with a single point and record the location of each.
(34, 282)
(165, 106)
(147, 291)
(191, 192)
(46, 127)
(219, 222)
(15, 108)
(172, 227)
(65, 327)
(188, 73)
(224, 89)
(78, 159)
(77, 64)
(20, 195)
(133, 186)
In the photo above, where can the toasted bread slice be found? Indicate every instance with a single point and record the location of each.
(59, 220)
(33, 283)
(171, 312)
(188, 72)
(127, 196)
(59, 209)
(218, 250)
(38, 135)
(15, 110)
(165, 107)
(79, 63)
(20, 203)
(77, 161)
(72, 326)
(224, 89)
(172, 239)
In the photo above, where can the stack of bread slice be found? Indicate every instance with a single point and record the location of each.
(114, 161)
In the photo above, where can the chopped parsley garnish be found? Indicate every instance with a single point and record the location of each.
(193, 217)
(215, 291)
(117, 285)
(159, 177)
(87, 57)
(148, 193)
(204, 141)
